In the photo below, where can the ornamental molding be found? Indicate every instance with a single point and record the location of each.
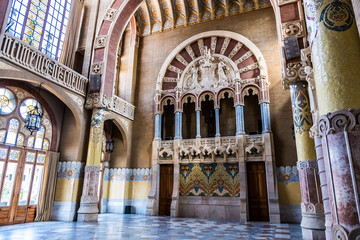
(93, 100)
(127, 174)
(339, 121)
(287, 174)
(284, 2)
(312, 208)
(110, 14)
(90, 168)
(307, 165)
(294, 72)
(89, 199)
(70, 170)
(293, 28)
(340, 233)
(100, 42)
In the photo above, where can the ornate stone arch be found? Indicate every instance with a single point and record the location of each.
(193, 99)
(221, 94)
(164, 101)
(212, 96)
(245, 92)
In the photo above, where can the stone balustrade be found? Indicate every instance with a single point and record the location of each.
(25, 56)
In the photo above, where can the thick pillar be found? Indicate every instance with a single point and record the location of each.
(265, 117)
(88, 211)
(337, 84)
(239, 113)
(178, 125)
(158, 118)
(198, 135)
(313, 219)
(217, 122)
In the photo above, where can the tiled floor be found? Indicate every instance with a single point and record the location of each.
(112, 226)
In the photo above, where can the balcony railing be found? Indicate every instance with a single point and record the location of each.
(33, 60)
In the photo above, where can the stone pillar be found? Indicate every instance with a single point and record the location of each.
(88, 211)
(313, 219)
(217, 122)
(265, 117)
(178, 125)
(239, 113)
(335, 36)
(198, 134)
(158, 118)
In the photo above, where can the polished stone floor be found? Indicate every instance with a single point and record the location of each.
(112, 226)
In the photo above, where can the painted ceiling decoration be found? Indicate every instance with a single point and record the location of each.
(160, 15)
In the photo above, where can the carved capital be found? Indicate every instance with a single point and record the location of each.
(93, 100)
(293, 72)
(293, 28)
(339, 121)
(312, 208)
(307, 165)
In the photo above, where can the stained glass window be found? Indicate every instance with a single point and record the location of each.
(20, 140)
(29, 105)
(7, 101)
(30, 142)
(40, 23)
(39, 138)
(3, 153)
(30, 156)
(14, 155)
(2, 136)
(46, 145)
(12, 131)
(41, 158)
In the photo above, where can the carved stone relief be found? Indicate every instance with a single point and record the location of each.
(293, 28)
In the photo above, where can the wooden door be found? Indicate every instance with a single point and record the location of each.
(166, 188)
(257, 192)
(21, 173)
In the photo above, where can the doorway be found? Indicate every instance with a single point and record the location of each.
(166, 188)
(257, 192)
(21, 174)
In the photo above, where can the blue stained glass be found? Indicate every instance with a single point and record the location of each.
(41, 158)
(3, 153)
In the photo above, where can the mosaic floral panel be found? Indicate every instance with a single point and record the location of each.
(46, 145)
(30, 156)
(20, 140)
(41, 158)
(70, 170)
(215, 179)
(127, 174)
(14, 155)
(287, 174)
(3, 153)
(2, 136)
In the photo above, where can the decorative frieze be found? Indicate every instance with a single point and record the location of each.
(284, 2)
(118, 105)
(70, 170)
(249, 67)
(127, 174)
(237, 47)
(293, 28)
(224, 45)
(287, 174)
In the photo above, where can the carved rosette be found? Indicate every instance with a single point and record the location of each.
(100, 42)
(293, 28)
(312, 208)
(339, 121)
(93, 100)
(110, 14)
(97, 68)
(307, 165)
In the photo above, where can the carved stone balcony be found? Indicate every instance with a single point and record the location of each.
(31, 59)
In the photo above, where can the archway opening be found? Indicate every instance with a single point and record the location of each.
(207, 119)
(252, 114)
(227, 116)
(168, 121)
(189, 120)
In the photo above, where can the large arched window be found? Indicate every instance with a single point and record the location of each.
(40, 23)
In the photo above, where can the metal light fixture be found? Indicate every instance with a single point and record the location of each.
(33, 120)
(109, 147)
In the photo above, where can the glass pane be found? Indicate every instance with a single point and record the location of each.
(2, 136)
(39, 138)
(2, 164)
(29, 105)
(14, 155)
(46, 145)
(41, 158)
(30, 156)
(20, 140)
(25, 184)
(12, 131)
(30, 142)
(36, 184)
(3, 153)
(7, 101)
(8, 184)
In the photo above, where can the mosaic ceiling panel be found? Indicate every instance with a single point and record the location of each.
(161, 15)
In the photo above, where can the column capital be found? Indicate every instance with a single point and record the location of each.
(294, 72)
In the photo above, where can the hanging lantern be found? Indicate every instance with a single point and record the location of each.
(109, 147)
(33, 120)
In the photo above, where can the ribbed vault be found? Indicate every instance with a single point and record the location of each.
(160, 15)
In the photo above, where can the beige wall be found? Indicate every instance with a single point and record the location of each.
(258, 26)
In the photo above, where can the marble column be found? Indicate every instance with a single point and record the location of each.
(217, 122)
(88, 211)
(198, 134)
(158, 118)
(239, 114)
(313, 219)
(178, 125)
(335, 43)
(265, 117)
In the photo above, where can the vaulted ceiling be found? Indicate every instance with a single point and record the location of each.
(160, 15)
